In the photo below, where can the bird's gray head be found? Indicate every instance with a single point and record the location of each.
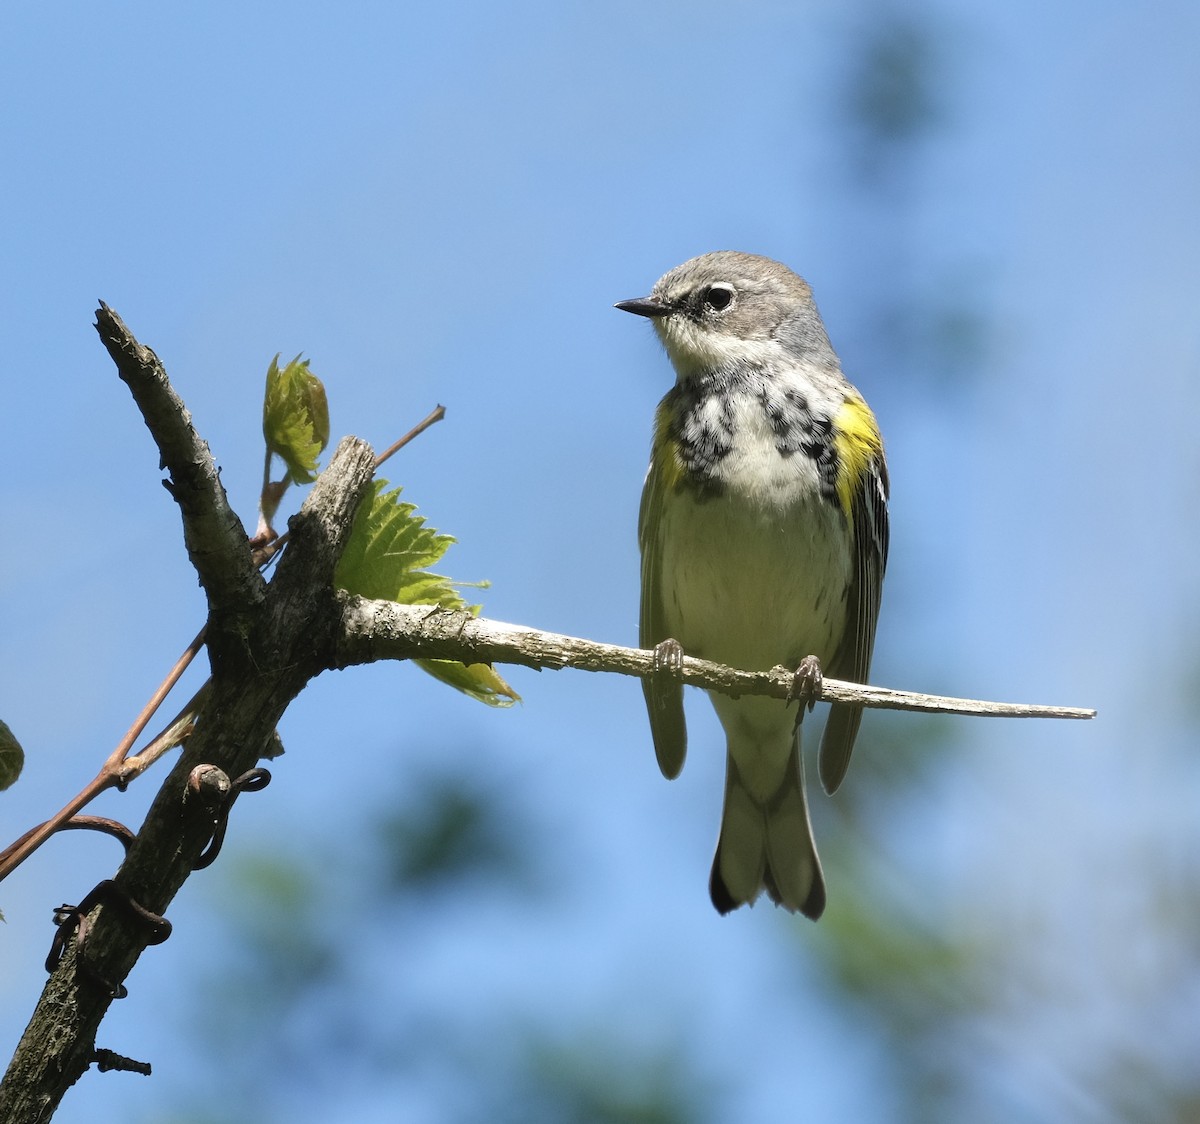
(730, 309)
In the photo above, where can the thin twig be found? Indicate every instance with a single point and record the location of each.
(435, 415)
(102, 824)
(175, 733)
(112, 772)
(374, 630)
(266, 548)
(156, 700)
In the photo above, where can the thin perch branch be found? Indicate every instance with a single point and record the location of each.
(374, 630)
(435, 415)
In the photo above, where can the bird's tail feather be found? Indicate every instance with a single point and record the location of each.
(767, 845)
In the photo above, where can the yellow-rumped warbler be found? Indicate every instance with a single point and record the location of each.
(764, 536)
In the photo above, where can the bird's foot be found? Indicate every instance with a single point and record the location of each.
(806, 684)
(668, 658)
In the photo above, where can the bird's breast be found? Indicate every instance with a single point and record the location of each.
(756, 576)
(765, 441)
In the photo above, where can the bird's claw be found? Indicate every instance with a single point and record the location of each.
(668, 658)
(807, 682)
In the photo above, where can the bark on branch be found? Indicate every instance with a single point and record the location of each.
(257, 670)
(214, 535)
(375, 630)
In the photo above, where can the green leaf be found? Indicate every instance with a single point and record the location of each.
(12, 757)
(479, 680)
(295, 418)
(389, 548)
(386, 558)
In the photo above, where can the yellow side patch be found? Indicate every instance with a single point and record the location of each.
(856, 438)
(665, 452)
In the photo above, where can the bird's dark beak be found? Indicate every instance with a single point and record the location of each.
(645, 306)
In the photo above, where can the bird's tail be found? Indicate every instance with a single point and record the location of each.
(767, 844)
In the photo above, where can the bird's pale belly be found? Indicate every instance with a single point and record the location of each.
(753, 586)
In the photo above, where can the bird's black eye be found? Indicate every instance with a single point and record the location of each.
(718, 297)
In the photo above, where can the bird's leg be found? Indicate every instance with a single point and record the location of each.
(668, 659)
(806, 685)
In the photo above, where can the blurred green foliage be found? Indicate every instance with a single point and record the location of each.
(290, 1002)
(448, 833)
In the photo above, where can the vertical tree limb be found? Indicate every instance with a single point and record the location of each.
(283, 637)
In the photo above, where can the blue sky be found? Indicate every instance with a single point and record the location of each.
(441, 205)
